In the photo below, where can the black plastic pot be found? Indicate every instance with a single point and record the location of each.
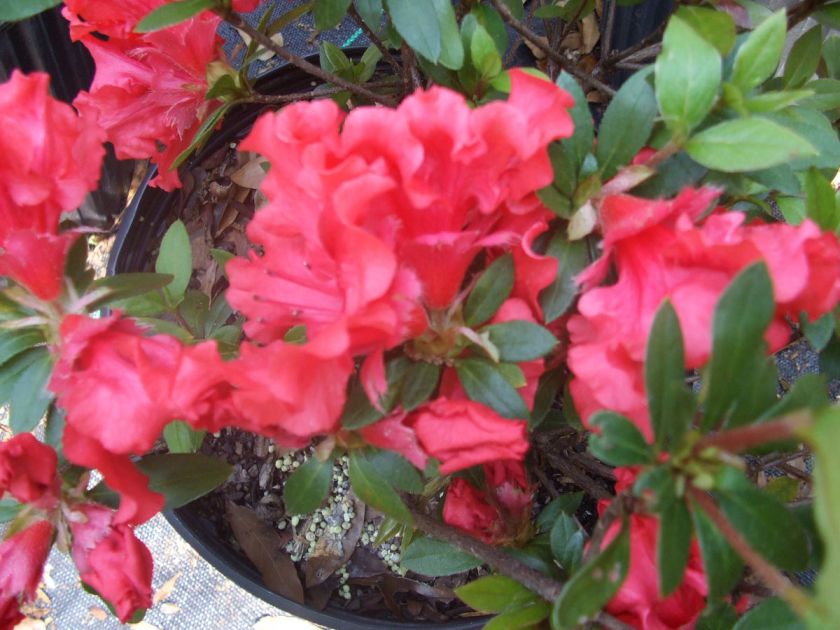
(144, 221)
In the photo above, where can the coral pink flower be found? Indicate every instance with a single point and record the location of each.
(662, 249)
(28, 471)
(50, 159)
(467, 508)
(245, 6)
(22, 558)
(111, 560)
(111, 18)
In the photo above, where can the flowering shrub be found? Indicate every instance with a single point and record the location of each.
(451, 275)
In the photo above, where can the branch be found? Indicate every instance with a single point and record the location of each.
(743, 438)
(802, 11)
(555, 56)
(274, 99)
(650, 41)
(281, 51)
(373, 37)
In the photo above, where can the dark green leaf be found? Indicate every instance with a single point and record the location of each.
(716, 27)
(671, 404)
(771, 614)
(572, 257)
(809, 391)
(564, 504)
(548, 388)
(358, 410)
(13, 368)
(376, 491)
(421, 380)
(717, 616)
(672, 176)
(367, 64)
(308, 486)
(819, 201)
(581, 141)
(618, 441)
(626, 124)
(803, 59)
(451, 47)
(397, 470)
(182, 438)
(485, 383)
(527, 616)
(817, 130)
(593, 585)
(495, 594)
(221, 257)
(9, 509)
(148, 304)
(490, 291)
(172, 13)
(758, 56)
(831, 56)
(520, 340)
(297, 335)
(781, 178)
(333, 58)
(688, 73)
(819, 332)
(30, 398)
(722, 565)
(54, 429)
(13, 342)
(673, 544)
(418, 26)
(433, 558)
(193, 309)
(371, 12)
(567, 543)
(183, 477)
(328, 13)
(126, 285)
(516, 7)
(175, 258)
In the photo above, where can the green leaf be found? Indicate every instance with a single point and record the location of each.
(401, 475)
(819, 332)
(368, 62)
(194, 309)
(758, 56)
(671, 404)
(722, 565)
(495, 594)
(520, 340)
(803, 59)
(328, 13)
(13, 342)
(746, 144)
(527, 616)
(817, 130)
(484, 54)
(766, 523)
(516, 7)
(175, 258)
(567, 543)
(30, 398)
(433, 558)
(371, 12)
(451, 46)
(741, 316)
(825, 94)
(572, 257)
(673, 544)
(9, 509)
(308, 486)
(626, 124)
(590, 588)
(182, 438)
(54, 427)
(688, 73)
(618, 441)
(581, 141)
(14, 10)
(13, 368)
(148, 304)
(490, 291)
(819, 201)
(172, 13)
(201, 136)
(333, 58)
(773, 101)
(419, 27)
(564, 504)
(831, 56)
(421, 380)
(375, 490)
(783, 489)
(717, 616)
(792, 209)
(358, 410)
(183, 477)
(492, 22)
(716, 27)
(126, 285)
(484, 383)
(771, 614)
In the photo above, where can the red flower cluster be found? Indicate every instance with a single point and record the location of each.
(22, 559)
(148, 91)
(49, 159)
(665, 249)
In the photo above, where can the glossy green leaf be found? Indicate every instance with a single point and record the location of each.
(820, 205)
(564, 504)
(716, 27)
(581, 141)
(30, 398)
(433, 558)
(308, 486)
(671, 404)
(328, 13)
(572, 257)
(490, 291)
(746, 144)
(618, 441)
(803, 59)
(493, 23)
(758, 57)
(495, 594)
(418, 26)
(397, 470)
(825, 94)
(673, 544)
(688, 74)
(519, 341)
(172, 13)
(527, 616)
(626, 124)
(182, 438)
(590, 588)
(484, 383)
(175, 258)
(770, 614)
(451, 46)
(484, 55)
(372, 488)
(567, 541)
(722, 565)
(13, 342)
(773, 101)
(183, 477)
(421, 380)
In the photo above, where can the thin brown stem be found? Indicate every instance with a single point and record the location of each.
(276, 99)
(552, 54)
(375, 39)
(744, 438)
(606, 41)
(799, 12)
(281, 51)
(645, 43)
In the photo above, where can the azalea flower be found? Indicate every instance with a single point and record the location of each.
(22, 559)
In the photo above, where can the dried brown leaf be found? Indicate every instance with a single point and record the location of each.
(169, 608)
(332, 551)
(571, 42)
(264, 548)
(590, 33)
(251, 174)
(229, 217)
(98, 613)
(538, 52)
(165, 589)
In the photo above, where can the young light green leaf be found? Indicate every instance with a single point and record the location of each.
(819, 201)
(418, 26)
(308, 486)
(520, 340)
(375, 490)
(484, 383)
(483, 53)
(758, 56)
(491, 290)
(522, 618)
(183, 477)
(172, 13)
(434, 558)
(572, 257)
(746, 144)
(495, 594)
(626, 124)
(803, 59)
(673, 544)
(716, 27)
(593, 585)
(618, 441)
(722, 565)
(328, 13)
(671, 404)
(175, 258)
(182, 438)
(688, 74)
